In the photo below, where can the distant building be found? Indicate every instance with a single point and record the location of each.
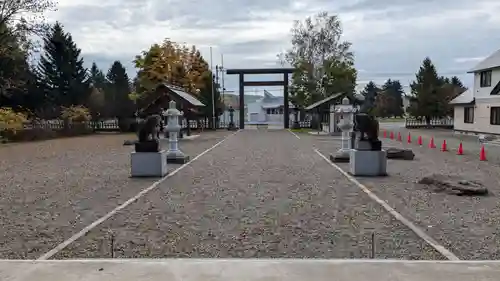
(477, 110)
(267, 110)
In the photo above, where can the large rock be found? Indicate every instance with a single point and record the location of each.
(129, 142)
(400, 153)
(454, 185)
(340, 157)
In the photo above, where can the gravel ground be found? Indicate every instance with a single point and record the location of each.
(259, 194)
(52, 189)
(468, 226)
(470, 143)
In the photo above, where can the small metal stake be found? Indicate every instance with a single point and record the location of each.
(112, 245)
(373, 245)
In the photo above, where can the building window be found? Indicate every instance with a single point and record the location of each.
(495, 116)
(469, 114)
(485, 79)
(268, 111)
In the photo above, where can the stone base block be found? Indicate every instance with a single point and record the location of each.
(366, 163)
(149, 164)
(177, 157)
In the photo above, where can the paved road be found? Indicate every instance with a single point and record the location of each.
(249, 270)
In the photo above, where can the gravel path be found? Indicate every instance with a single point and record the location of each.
(259, 194)
(51, 189)
(468, 226)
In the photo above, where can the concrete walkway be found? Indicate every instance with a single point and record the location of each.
(249, 270)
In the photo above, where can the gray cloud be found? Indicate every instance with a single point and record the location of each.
(390, 37)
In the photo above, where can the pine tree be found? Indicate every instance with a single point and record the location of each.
(205, 96)
(370, 92)
(397, 93)
(97, 77)
(427, 101)
(15, 73)
(60, 70)
(118, 91)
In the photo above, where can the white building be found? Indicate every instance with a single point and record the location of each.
(477, 110)
(268, 110)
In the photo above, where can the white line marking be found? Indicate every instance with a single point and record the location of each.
(84, 231)
(441, 249)
(294, 134)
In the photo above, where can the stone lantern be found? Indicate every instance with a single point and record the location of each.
(346, 124)
(231, 126)
(174, 154)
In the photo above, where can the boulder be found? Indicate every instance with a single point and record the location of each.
(129, 142)
(340, 157)
(454, 185)
(400, 153)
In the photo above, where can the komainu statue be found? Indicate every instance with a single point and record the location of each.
(148, 135)
(367, 126)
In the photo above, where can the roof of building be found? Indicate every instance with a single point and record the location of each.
(493, 61)
(154, 99)
(325, 100)
(184, 95)
(466, 97)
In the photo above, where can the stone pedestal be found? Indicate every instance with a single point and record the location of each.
(174, 154)
(147, 146)
(368, 163)
(149, 164)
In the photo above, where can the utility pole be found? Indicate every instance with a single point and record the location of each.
(213, 89)
(217, 86)
(223, 89)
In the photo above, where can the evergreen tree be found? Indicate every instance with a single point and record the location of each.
(61, 73)
(428, 100)
(14, 70)
(117, 92)
(205, 96)
(455, 81)
(370, 92)
(383, 104)
(97, 77)
(396, 91)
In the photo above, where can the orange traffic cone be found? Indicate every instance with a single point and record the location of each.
(385, 134)
(399, 136)
(392, 136)
(409, 138)
(460, 150)
(482, 154)
(420, 142)
(431, 143)
(443, 146)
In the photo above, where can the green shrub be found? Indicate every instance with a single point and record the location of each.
(76, 114)
(11, 122)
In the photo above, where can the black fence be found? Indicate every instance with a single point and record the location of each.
(113, 125)
(417, 123)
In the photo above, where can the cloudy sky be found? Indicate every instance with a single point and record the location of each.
(390, 37)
